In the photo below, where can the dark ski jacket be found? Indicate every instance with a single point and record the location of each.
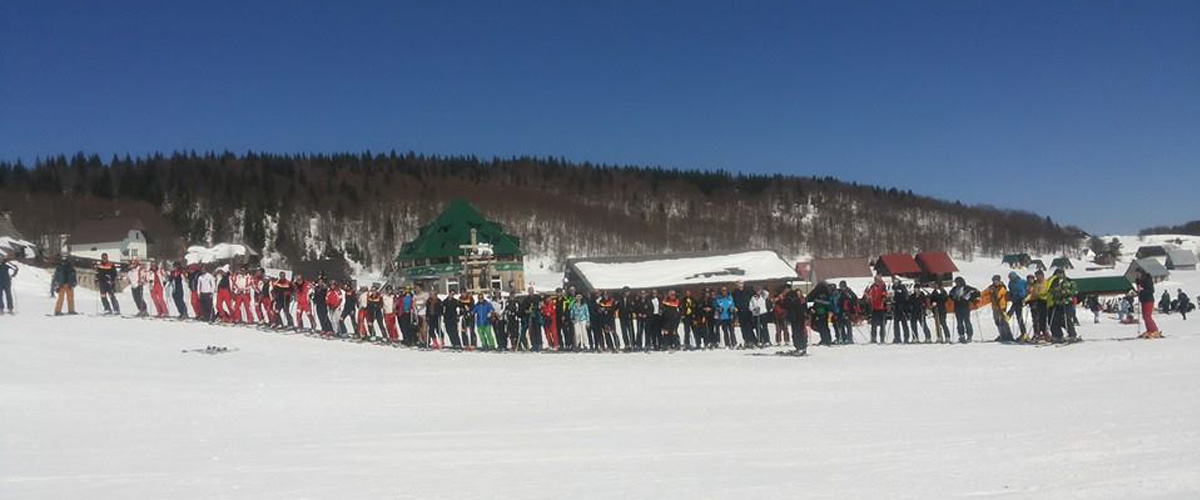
(65, 275)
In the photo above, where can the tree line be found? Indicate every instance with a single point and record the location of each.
(364, 206)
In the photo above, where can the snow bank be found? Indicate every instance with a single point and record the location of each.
(760, 265)
(221, 251)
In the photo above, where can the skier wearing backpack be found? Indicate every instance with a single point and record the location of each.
(1017, 288)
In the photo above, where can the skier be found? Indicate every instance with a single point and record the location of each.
(106, 281)
(877, 295)
(900, 313)
(433, 318)
(349, 301)
(670, 320)
(450, 313)
(193, 275)
(1093, 305)
(758, 307)
(819, 297)
(1017, 288)
(176, 282)
(779, 314)
(224, 296)
(1145, 289)
(483, 312)
(64, 282)
(138, 276)
(1058, 294)
(243, 288)
(999, 298)
(689, 315)
(917, 305)
(847, 311)
(420, 301)
(963, 296)
(389, 313)
(796, 310)
(1182, 301)
(562, 315)
(304, 307)
(374, 312)
(724, 310)
(1037, 305)
(938, 299)
(206, 286)
(8, 271)
(158, 282)
(745, 317)
(320, 299)
(580, 315)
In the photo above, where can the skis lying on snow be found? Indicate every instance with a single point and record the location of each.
(212, 349)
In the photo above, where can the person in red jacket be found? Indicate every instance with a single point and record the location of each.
(303, 289)
(877, 295)
(333, 300)
(158, 277)
(548, 321)
(224, 296)
(262, 292)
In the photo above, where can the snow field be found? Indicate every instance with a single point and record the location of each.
(111, 408)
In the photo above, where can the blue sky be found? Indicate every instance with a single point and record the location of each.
(1086, 111)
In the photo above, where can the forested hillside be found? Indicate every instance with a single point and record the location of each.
(1190, 227)
(365, 205)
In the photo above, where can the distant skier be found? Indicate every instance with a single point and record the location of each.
(106, 281)
(8, 270)
(917, 304)
(178, 277)
(158, 283)
(206, 288)
(796, 310)
(900, 312)
(1145, 289)
(1182, 301)
(1093, 305)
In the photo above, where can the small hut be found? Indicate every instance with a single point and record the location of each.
(936, 266)
(1151, 266)
(898, 264)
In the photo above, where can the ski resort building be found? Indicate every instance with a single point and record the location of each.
(462, 250)
(1062, 263)
(122, 238)
(1017, 260)
(1152, 267)
(684, 271)
(1179, 259)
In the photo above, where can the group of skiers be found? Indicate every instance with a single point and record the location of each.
(567, 320)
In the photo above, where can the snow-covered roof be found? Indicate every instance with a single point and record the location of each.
(222, 251)
(614, 273)
(1178, 257)
(17, 248)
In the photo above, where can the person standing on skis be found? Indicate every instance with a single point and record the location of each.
(106, 281)
(8, 270)
(138, 277)
(1145, 291)
(877, 296)
(999, 297)
(964, 296)
(1017, 288)
(64, 282)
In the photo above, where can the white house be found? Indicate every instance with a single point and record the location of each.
(122, 238)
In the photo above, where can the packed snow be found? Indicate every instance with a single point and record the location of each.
(114, 408)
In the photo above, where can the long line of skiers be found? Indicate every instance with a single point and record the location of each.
(625, 320)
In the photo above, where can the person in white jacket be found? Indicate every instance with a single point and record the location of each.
(138, 276)
(207, 286)
(758, 307)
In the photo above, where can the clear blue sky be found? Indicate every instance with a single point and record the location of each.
(1088, 111)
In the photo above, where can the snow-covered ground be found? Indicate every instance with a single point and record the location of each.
(111, 408)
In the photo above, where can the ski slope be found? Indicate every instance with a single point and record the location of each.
(108, 408)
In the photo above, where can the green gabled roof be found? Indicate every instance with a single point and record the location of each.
(1103, 284)
(442, 237)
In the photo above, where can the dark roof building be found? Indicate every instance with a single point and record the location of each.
(1180, 259)
(1017, 260)
(829, 269)
(1061, 263)
(936, 266)
(106, 230)
(1151, 266)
